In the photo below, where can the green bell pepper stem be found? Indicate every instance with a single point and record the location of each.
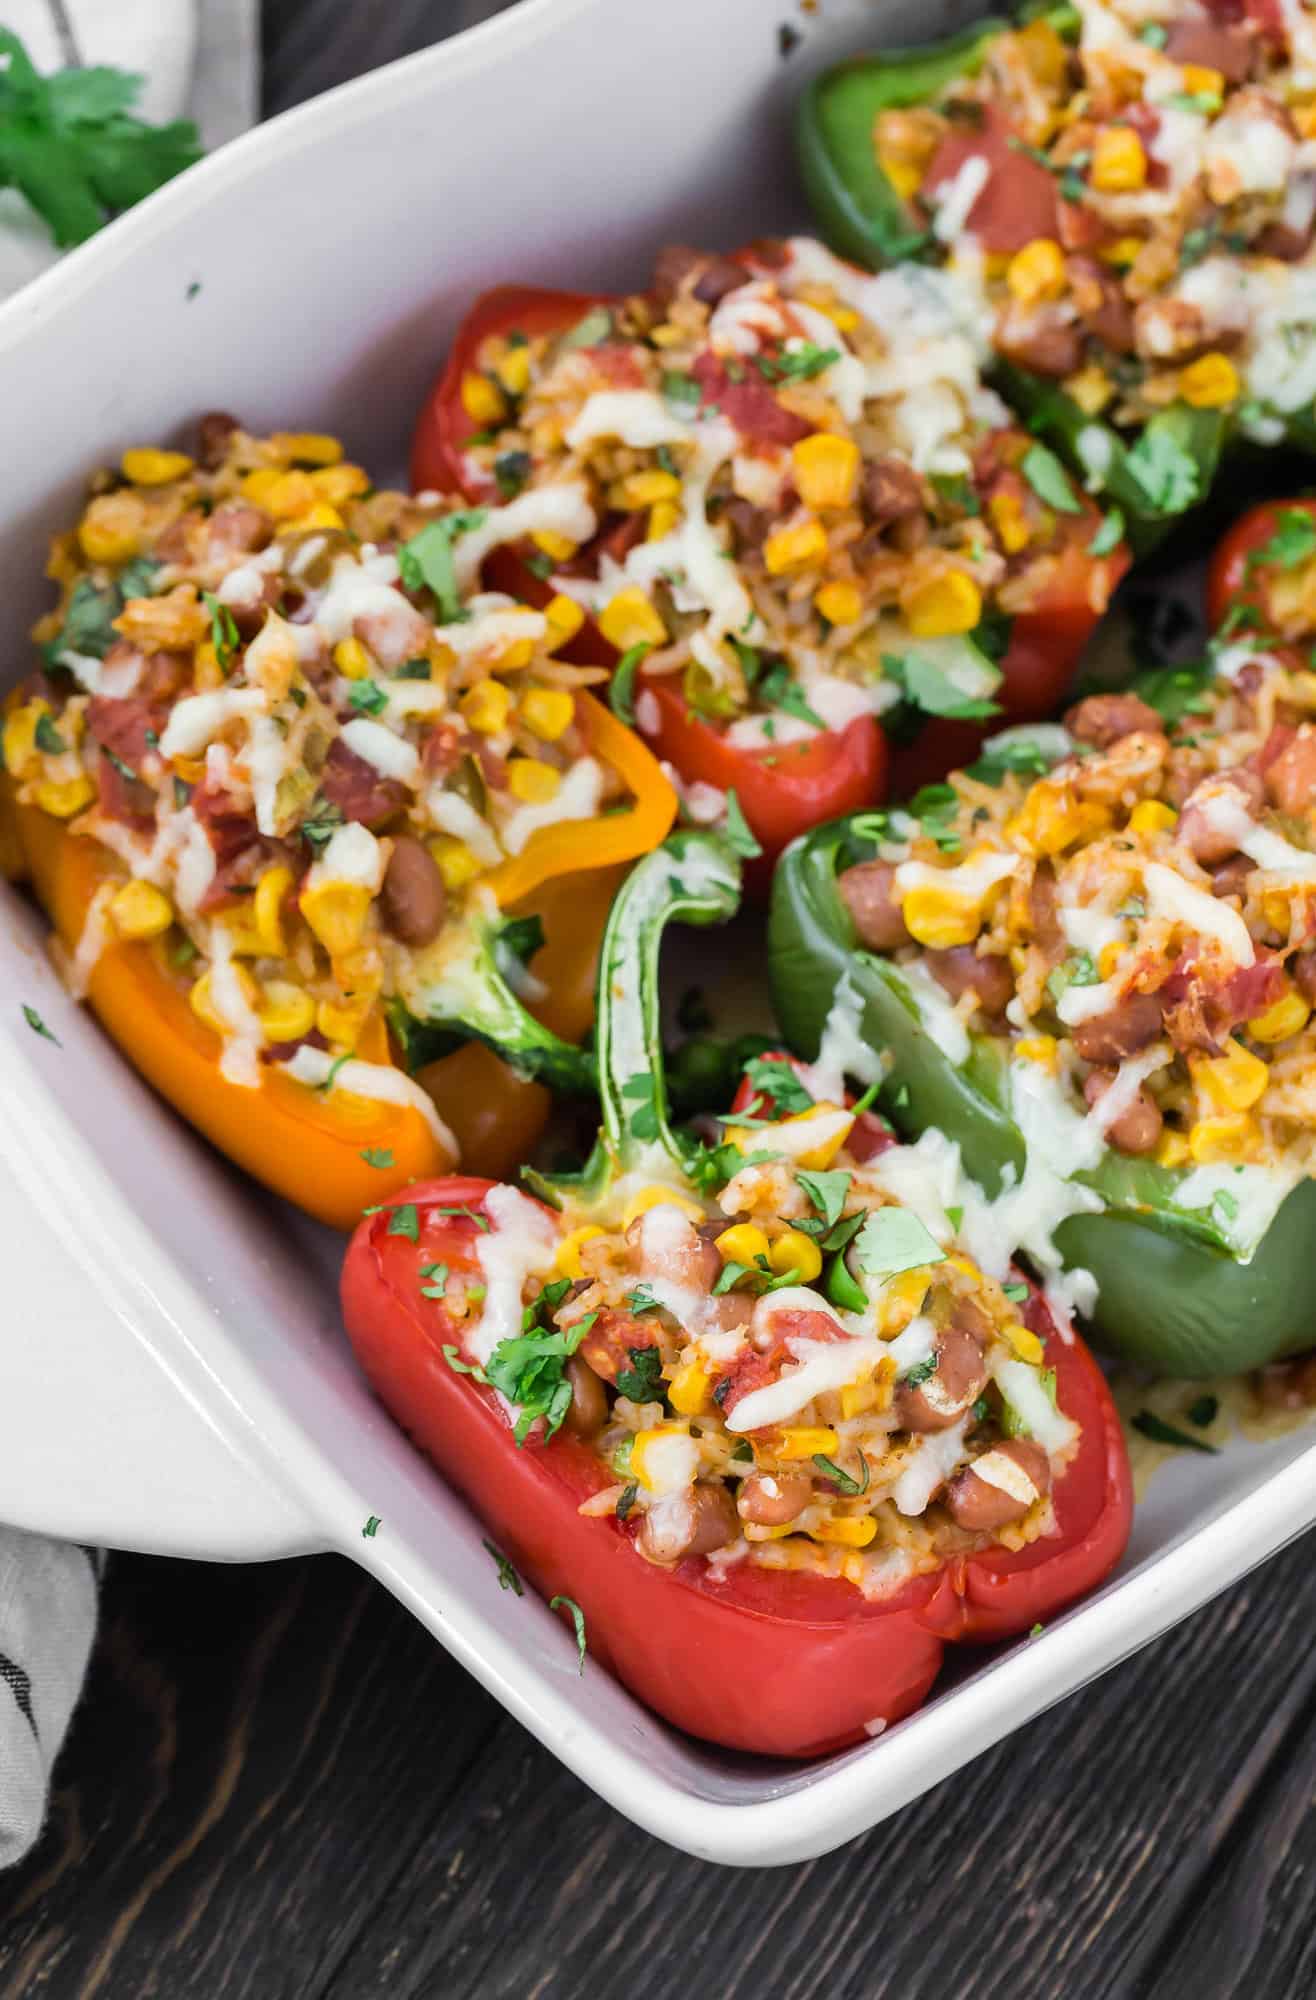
(693, 878)
(1171, 1293)
(457, 985)
(859, 211)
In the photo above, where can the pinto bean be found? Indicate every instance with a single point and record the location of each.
(1205, 842)
(413, 898)
(665, 1243)
(960, 970)
(1302, 971)
(588, 1409)
(237, 529)
(1103, 719)
(1291, 777)
(770, 1499)
(1040, 341)
(749, 524)
(959, 1380)
(891, 489)
(868, 891)
(694, 1524)
(1137, 1128)
(1212, 45)
(1133, 1023)
(1230, 878)
(713, 277)
(1000, 1486)
(1044, 910)
(1101, 303)
(213, 434)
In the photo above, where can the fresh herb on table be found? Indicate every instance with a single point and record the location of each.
(578, 1621)
(507, 1576)
(372, 1527)
(38, 1026)
(71, 146)
(1154, 1427)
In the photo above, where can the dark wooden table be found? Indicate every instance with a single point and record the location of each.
(279, 1788)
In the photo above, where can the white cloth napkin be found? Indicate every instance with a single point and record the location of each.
(199, 59)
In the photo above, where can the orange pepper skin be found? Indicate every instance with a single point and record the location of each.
(299, 1144)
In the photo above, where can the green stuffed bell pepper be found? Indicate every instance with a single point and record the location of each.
(1098, 997)
(1083, 186)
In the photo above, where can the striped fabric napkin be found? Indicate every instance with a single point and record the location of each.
(199, 59)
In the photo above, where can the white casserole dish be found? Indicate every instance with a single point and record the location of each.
(174, 1375)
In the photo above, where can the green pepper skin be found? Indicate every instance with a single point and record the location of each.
(863, 218)
(1169, 1297)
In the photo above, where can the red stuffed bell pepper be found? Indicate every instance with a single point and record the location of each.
(1262, 579)
(743, 1408)
(824, 437)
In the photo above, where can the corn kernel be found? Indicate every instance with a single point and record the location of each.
(1119, 164)
(942, 605)
(804, 1441)
(558, 548)
(687, 1392)
(965, 1266)
(904, 175)
(838, 603)
(337, 483)
(457, 864)
(567, 1262)
(482, 400)
(858, 1398)
(900, 1300)
(1051, 819)
(20, 736)
(794, 547)
(201, 999)
(354, 661)
(1121, 250)
(1234, 1081)
(824, 1116)
(62, 797)
(547, 712)
(1232, 1136)
(565, 618)
(286, 1013)
(147, 467)
(1041, 1049)
(1288, 1016)
(656, 1196)
(664, 520)
(940, 919)
(307, 447)
(1091, 388)
(1277, 910)
(741, 1244)
(1010, 522)
(1152, 816)
(754, 1533)
(853, 1531)
(1209, 383)
(513, 370)
(1037, 272)
(1171, 1150)
(647, 1453)
(532, 781)
(1109, 957)
(793, 1251)
(258, 485)
(516, 654)
(628, 619)
(644, 489)
(290, 496)
(342, 1021)
(1199, 80)
(267, 910)
(110, 531)
(486, 706)
(1025, 1343)
(826, 469)
(140, 910)
(319, 518)
(336, 913)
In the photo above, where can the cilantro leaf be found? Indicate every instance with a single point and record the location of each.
(372, 1527)
(1049, 480)
(928, 687)
(405, 1221)
(827, 1191)
(799, 364)
(777, 688)
(507, 1576)
(511, 470)
(48, 737)
(577, 1619)
(736, 833)
(1293, 542)
(377, 1156)
(643, 1380)
(640, 1091)
(642, 1300)
(1151, 1426)
(682, 391)
(367, 697)
(224, 634)
(1079, 969)
(320, 824)
(1169, 476)
(530, 1370)
(830, 1470)
(1109, 535)
(38, 1026)
(777, 1082)
(894, 1240)
(425, 562)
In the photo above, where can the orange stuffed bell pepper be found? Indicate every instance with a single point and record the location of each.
(317, 828)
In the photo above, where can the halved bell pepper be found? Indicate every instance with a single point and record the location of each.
(1259, 581)
(780, 1661)
(1152, 478)
(1172, 1294)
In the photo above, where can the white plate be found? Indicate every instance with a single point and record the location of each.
(174, 1374)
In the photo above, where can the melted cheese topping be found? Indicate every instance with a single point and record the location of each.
(1177, 901)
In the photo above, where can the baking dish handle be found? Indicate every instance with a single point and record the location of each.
(120, 1456)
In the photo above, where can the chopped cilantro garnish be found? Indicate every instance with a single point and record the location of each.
(642, 1300)
(933, 690)
(377, 1156)
(507, 1576)
(921, 1372)
(1203, 1411)
(801, 364)
(224, 634)
(777, 1082)
(320, 824)
(621, 688)
(1049, 480)
(405, 1221)
(1079, 969)
(577, 1620)
(1170, 477)
(436, 1281)
(460, 1367)
(848, 1484)
(425, 562)
(736, 833)
(38, 1026)
(412, 670)
(1293, 542)
(827, 1191)
(367, 698)
(894, 1240)
(1109, 535)
(1154, 1427)
(511, 470)
(682, 391)
(643, 1380)
(530, 1370)
(372, 1527)
(48, 738)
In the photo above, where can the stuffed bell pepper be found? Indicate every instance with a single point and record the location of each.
(742, 1402)
(1091, 962)
(278, 781)
(1130, 194)
(794, 514)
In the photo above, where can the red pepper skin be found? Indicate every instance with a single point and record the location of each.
(773, 1661)
(1235, 579)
